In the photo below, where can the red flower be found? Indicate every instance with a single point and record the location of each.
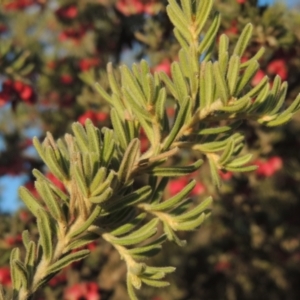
(91, 246)
(5, 278)
(278, 66)
(24, 215)
(87, 63)
(222, 266)
(269, 167)
(84, 290)
(260, 74)
(12, 241)
(51, 65)
(66, 79)
(144, 141)
(233, 29)
(198, 189)
(133, 7)
(74, 34)
(241, 1)
(176, 185)
(18, 4)
(27, 94)
(67, 12)
(56, 181)
(24, 91)
(130, 7)
(164, 66)
(93, 116)
(225, 175)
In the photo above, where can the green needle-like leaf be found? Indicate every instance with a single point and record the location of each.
(108, 147)
(227, 153)
(180, 120)
(171, 202)
(202, 14)
(135, 197)
(210, 35)
(21, 272)
(128, 227)
(193, 224)
(131, 155)
(196, 211)
(221, 84)
(30, 201)
(67, 260)
(81, 137)
(179, 82)
(93, 216)
(176, 171)
(45, 225)
(98, 180)
(155, 283)
(50, 200)
(243, 40)
(94, 137)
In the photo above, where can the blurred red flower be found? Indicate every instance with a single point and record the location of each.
(67, 12)
(278, 66)
(56, 181)
(260, 74)
(87, 63)
(225, 175)
(75, 34)
(66, 79)
(82, 291)
(176, 185)
(12, 241)
(222, 266)
(5, 278)
(18, 4)
(133, 7)
(23, 91)
(95, 117)
(269, 167)
(164, 66)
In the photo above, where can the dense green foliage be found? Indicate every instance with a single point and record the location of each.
(113, 186)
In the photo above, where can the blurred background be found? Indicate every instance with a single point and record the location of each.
(52, 52)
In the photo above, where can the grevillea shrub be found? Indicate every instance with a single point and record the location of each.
(129, 180)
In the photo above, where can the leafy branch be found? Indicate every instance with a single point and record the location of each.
(100, 168)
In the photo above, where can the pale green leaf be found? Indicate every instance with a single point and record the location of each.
(67, 260)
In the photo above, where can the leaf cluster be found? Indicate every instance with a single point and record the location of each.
(100, 168)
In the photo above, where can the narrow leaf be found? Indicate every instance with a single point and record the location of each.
(171, 202)
(45, 231)
(84, 227)
(155, 283)
(130, 156)
(181, 118)
(67, 260)
(221, 84)
(176, 171)
(30, 201)
(243, 40)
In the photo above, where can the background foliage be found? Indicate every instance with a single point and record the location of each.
(249, 249)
